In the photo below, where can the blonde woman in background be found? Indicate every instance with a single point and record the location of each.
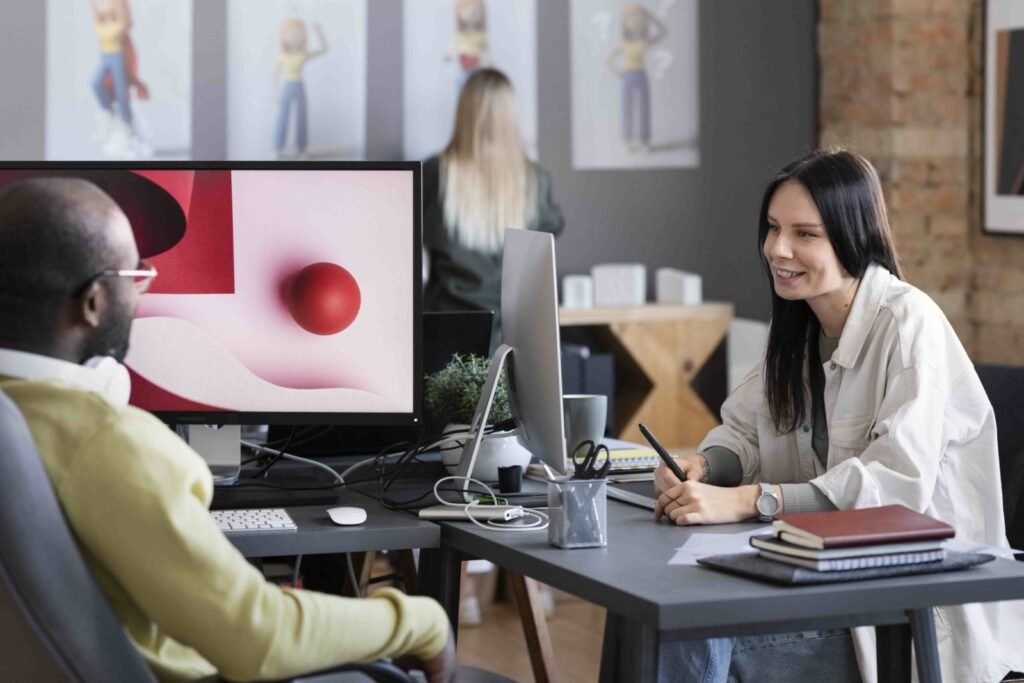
(292, 58)
(481, 184)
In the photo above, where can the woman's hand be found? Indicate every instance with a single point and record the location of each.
(692, 502)
(693, 465)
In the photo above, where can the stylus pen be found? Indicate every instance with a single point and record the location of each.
(672, 465)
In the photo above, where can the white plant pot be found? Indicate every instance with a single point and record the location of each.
(500, 449)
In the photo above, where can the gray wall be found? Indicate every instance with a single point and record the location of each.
(758, 91)
(22, 79)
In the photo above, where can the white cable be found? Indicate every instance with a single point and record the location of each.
(296, 458)
(541, 519)
(295, 574)
(353, 468)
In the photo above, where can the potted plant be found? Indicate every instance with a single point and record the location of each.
(451, 397)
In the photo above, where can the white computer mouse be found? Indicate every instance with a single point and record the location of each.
(347, 516)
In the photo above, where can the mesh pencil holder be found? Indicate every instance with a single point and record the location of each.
(578, 512)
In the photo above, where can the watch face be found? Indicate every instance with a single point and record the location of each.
(767, 505)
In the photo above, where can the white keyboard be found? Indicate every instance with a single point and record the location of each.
(257, 519)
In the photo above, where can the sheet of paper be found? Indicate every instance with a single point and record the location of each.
(706, 543)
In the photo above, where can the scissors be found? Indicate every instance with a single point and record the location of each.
(590, 467)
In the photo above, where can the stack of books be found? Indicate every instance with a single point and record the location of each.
(864, 538)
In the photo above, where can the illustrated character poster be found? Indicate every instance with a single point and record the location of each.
(296, 79)
(444, 42)
(635, 84)
(118, 79)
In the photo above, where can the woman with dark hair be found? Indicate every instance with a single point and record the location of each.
(865, 398)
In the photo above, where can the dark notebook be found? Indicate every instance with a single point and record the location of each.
(756, 567)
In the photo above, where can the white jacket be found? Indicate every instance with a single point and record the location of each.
(908, 422)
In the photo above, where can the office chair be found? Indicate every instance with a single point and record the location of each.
(55, 625)
(1003, 385)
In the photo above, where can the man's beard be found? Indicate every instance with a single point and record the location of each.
(112, 336)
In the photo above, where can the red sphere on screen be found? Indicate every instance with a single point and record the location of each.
(324, 298)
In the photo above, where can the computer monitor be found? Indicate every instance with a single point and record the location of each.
(530, 349)
(287, 293)
(445, 333)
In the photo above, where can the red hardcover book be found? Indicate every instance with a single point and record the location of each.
(863, 526)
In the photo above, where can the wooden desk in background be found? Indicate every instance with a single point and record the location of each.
(658, 350)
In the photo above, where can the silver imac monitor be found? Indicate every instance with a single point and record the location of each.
(531, 350)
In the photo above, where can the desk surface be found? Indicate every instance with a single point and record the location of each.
(632, 577)
(383, 530)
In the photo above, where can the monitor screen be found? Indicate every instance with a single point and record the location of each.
(287, 293)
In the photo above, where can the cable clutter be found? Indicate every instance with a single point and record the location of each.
(388, 466)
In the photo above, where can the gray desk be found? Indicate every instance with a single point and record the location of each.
(650, 602)
(383, 530)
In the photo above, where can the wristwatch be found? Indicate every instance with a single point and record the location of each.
(768, 503)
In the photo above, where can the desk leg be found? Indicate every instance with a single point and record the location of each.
(892, 648)
(613, 625)
(535, 627)
(926, 645)
(630, 651)
(440, 571)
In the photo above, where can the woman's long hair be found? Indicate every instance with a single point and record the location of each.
(846, 190)
(487, 182)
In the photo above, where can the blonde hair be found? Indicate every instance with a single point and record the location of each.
(488, 183)
(628, 12)
(286, 27)
(461, 25)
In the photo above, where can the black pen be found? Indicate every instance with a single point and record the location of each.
(672, 464)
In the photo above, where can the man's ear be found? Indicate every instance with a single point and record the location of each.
(91, 303)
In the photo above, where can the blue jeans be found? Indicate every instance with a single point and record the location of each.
(636, 87)
(293, 91)
(114, 64)
(784, 657)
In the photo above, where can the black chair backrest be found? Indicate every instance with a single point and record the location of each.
(55, 625)
(1005, 388)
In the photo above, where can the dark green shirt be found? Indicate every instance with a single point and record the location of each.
(463, 278)
(724, 468)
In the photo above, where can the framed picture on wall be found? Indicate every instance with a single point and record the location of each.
(1004, 117)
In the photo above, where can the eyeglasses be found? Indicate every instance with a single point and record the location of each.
(142, 276)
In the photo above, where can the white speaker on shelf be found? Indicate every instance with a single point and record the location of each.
(619, 284)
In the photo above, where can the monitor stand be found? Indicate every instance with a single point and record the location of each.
(478, 426)
(220, 446)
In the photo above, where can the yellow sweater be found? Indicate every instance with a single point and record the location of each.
(136, 499)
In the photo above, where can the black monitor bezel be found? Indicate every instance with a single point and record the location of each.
(413, 417)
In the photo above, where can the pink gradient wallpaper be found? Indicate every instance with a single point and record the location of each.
(289, 290)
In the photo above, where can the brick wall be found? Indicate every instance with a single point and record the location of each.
(901, 83)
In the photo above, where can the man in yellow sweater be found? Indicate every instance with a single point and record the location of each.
(136, 496)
